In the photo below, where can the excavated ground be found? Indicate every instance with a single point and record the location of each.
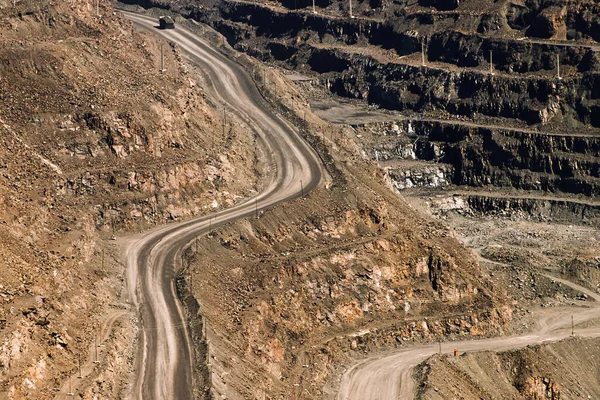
(305, 289)
(507, 155)
(550, 371)
(95, 141)
(519, 127)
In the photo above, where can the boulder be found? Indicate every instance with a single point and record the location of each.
(548, 23)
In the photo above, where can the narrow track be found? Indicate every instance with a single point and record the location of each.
(388, 376)
(164, 362)
(165, 358)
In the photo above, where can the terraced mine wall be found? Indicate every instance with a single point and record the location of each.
(533, 99)
(540, 19)
(413, 88)
(474, 156)
(239, 21)
(285, 37)
(464, 50)
(557, 210)
(493, 156)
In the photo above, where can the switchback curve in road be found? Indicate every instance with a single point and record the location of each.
(388, 376)
(164, 362)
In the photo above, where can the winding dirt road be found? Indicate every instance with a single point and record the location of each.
(388, 376)
(165, 357)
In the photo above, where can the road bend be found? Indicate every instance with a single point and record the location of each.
(388, 376)
(164, 363)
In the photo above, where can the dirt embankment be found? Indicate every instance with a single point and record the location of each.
(562, 370)
(95, 141)
(517, 125)
(326, 278)
(307, 286)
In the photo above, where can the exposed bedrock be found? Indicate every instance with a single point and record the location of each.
(455, 81)
(546, 18)
(525, 89)
(556, 210)
(406, 87)
(440, 4)
(493, 156)
(241, 21)
(433, 176)
(462, 49)
(583, 270)
(532, 99)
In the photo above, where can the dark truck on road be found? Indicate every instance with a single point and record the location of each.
(166, 23)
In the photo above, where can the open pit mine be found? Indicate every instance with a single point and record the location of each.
(300, 199)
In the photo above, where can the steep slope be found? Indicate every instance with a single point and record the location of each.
(293, 294)
(494, 96)
(488, 72)
(562, 370)
(95, 141)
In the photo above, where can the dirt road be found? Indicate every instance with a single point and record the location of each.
(164, 361)
(388, 376)
(94, 356)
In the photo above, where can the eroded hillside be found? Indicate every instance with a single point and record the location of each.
(95, 141)
(293, 294)
(98, 141)
(551, 371)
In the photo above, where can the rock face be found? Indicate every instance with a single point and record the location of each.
(562, 211)
(532, 373)
(431, 176)
(539, 388)
(94, 142)
(508, 158)
(314, 282)
(543, 16)
(440, 4)
(307, 42)
(549, 22)
(583, 270)
(409, 88)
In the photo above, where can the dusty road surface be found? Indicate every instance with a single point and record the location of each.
(388, 376)
(87, 367)
(164, 361)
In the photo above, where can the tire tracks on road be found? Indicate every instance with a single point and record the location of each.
(388, 376)
(164, 363)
